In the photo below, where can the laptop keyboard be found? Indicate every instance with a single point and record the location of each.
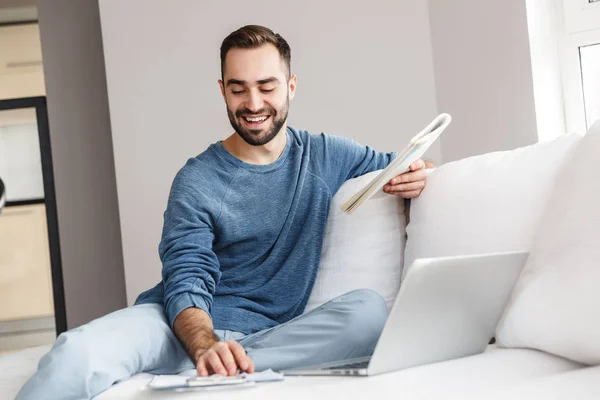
(357, 365)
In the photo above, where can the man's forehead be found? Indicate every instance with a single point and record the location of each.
(253, 65)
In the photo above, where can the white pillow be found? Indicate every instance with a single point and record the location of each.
(362, 250)
(488, 203)
(555, 306)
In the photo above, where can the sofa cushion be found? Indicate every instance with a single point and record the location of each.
(555, 306)
(17, 367)
(580, 384)
(487, 203)
(362, 250)
(483, 374)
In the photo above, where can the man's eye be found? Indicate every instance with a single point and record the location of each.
(237, 91)
(267, 90)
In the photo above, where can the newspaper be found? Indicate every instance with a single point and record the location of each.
(415, 149)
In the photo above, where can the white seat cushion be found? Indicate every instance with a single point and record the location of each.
(580, 384)
(486, 372)
(16, 368)
(362, 250)
(495, 371)
(555, 305)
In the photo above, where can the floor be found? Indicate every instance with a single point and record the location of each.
(27, 333)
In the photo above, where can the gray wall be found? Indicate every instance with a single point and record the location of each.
(83, 158)
(483, 75)
(364, 71)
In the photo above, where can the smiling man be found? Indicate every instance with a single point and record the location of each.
(240, 249)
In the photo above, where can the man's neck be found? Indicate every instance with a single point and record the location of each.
(258, 155)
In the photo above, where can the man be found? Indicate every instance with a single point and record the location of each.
(240, 248)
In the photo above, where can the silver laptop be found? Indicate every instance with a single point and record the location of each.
(446, 308)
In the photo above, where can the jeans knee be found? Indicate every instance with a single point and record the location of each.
(367, 301)
(62, 373)
(69, 352)
(366, 319)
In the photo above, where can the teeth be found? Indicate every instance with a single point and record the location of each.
(258, 119)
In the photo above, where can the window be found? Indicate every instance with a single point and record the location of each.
(590, 80)
(20, 160)
(580, 54)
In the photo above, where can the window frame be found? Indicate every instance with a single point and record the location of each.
(582, 28)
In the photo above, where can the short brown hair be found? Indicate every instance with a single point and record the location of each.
(252, 36)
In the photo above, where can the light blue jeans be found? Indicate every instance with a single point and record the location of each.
(87, 360)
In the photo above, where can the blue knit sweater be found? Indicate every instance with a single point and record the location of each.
(243, 241)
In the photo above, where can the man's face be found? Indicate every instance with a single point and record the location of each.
(256, 92)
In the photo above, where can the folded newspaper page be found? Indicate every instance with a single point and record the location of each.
(415, 149)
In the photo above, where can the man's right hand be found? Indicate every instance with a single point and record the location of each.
(195, 331)
(223, 358)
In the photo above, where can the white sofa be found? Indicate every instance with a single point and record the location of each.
(536, 198)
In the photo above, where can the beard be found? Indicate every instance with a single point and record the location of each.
(262, 136)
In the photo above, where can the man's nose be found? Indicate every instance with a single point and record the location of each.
(255, 102)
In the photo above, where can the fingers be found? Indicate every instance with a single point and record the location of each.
(409, 184)
(405, 187)
(419, 164)
(241, 357)
(210, 363)
(227, 360)
(214, 361)
(201, 367)
(419, 175)
(408, 195)
(223, 358)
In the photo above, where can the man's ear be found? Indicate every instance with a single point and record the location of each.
(222, 86)
(292, 86)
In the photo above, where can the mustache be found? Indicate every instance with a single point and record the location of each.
(262, 111)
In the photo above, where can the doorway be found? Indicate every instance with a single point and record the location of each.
(32, 305)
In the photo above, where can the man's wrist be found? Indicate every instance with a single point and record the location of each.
(193, 327)
(207, 344)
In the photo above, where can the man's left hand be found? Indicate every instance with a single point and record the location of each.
(411, 183)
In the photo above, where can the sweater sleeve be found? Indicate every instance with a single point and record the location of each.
(190, 268)
(341, 159)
